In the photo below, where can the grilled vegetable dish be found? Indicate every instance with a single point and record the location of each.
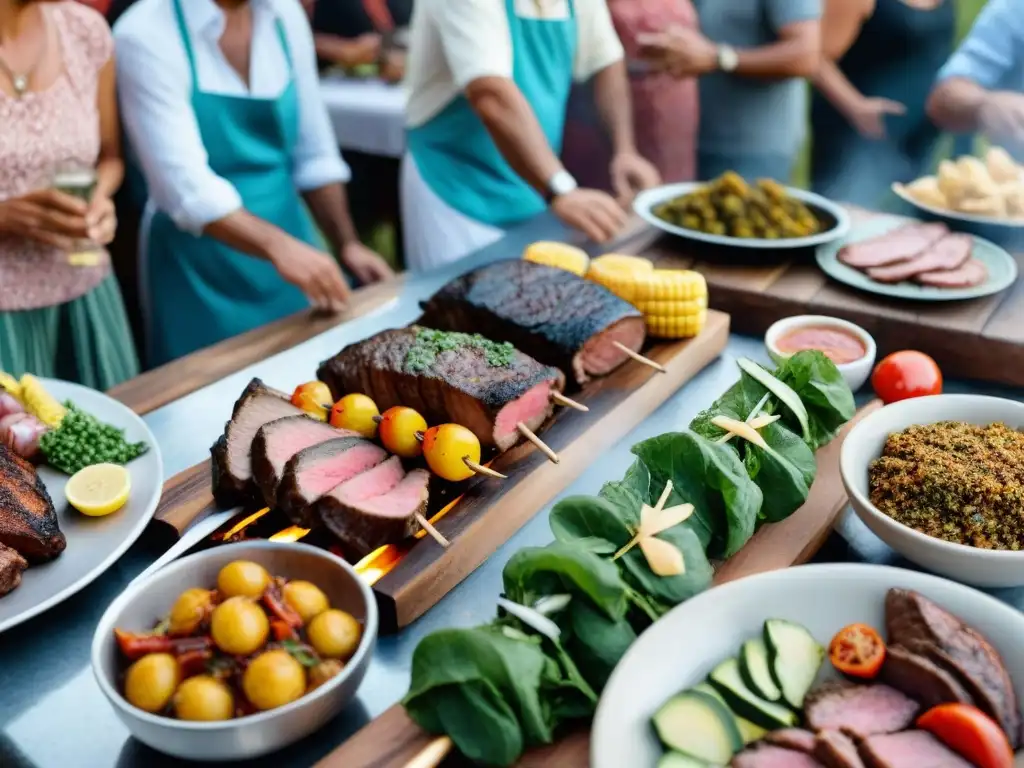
(252, 642)
(730, 206)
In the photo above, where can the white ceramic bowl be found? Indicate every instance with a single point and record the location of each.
(145, 601)
(864, 443)
(855, 373)
(680, 649)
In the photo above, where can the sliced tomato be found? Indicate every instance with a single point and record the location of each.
(906, 374)
(970, 733)
(857, 651)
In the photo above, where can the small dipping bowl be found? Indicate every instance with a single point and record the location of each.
(855, 373)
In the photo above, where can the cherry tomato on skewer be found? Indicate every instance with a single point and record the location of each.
(398, 427)
(857, 651)
(446, 448)
(314, 397)
(969, 732)
(356, 412)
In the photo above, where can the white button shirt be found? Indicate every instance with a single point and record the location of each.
(155, 89)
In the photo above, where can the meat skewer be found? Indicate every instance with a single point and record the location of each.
(541, 445)
(435, 534)
(638, 357)
(568, 402)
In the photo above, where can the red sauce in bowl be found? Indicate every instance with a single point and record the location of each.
(838, 344)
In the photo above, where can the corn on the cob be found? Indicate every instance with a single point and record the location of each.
(41, 403)
(622, 262)
(682, 327)
(671, 285)
(567, 257)
(10, 385)
(671, 307)
(619, 273)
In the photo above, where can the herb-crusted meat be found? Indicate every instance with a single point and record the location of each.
(485, 386)
(551, 314)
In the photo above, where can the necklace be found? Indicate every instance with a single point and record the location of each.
(20, 80)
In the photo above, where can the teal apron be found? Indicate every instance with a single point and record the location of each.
(200, 290)
(457, 157)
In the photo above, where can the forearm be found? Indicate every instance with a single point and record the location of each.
(329, 206)
(345, 53)
(837, 88)
(796, 57)
(109, 175)
(247, 233)
(955, 104)
(615, 105)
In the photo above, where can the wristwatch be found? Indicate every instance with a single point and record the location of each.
(562, 183)
(728, 59)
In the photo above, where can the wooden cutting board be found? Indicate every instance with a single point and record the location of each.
(393, 740)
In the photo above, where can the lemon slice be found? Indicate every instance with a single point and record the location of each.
(99, 490)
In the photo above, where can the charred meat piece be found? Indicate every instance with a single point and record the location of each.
(376, 508)
(11, 566)
(485, 386)
(834, 749)
(918, 624)
(949, 253)
(314, 471)
(796, 739)
(969, 275)
(277, 441)
(910, 749)
(232, 464)
(859, 710)
(921, 679)
(900, 244)
(550, 314)
(28, 520)
(770, 756)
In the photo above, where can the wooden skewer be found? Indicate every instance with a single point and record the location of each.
(480, 469)
(378, 419)
(435, 534)
(568, 402)
(526, 432)
(638, 357)
(432, 754)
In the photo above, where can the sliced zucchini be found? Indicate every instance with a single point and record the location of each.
(748, 731)
(755, 671)
(698, 726)
(794, 657)
(679, 760)
(727, 681)
(786, 394)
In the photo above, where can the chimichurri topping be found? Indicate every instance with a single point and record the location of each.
(429, 344)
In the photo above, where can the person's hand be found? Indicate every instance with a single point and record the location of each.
(365, 264)
(392, 68)
(313, 272)
(680, 51)
(101, 218)
(364, 49)
(631, 174)
(868, 116)
(592, 212)
(1001, 116)
(47, 216)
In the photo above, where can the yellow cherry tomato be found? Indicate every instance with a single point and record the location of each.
(150, 682)
(306, 599)
(445, 448)
(334, 634)
(203, 698)
(243, 578)
(314, 397)
(273, 679)
(356, 412)
(191, 607)
(398, 428)
(239, 626)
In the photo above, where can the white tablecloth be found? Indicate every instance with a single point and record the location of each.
(367, 115)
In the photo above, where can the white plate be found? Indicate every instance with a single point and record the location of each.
(648, 200)
(94, 543)
(954, 216)
(680, 649)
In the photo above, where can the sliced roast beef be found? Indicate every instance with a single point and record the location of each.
(770, 756)
(897, 245)
(376, 508)
(550, 314)
(486, 387)
(232, 464)
(921, 679)
(948, 253)
(910, 749)
(792, 738)
(28, 519)
(973, 273)
(314, 471)
(834, 749)
(917, 623)
(859, 710)
(277, 441)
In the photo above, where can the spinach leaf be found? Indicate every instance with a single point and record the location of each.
(585, 518)
(596, 642)
(823, 391)
(737, 403)
(669, 591)
(784, 473)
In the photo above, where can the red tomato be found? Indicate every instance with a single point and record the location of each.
(969, 732)
(906, 374)
(857, 650)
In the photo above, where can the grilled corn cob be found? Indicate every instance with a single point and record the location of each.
(678, 327)
(619, 273)
(674, 302)
(671, 307)
(41, 403)
(567, 257)
(671, 285)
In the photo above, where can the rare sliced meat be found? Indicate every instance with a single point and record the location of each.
(973, 273)
(12, 565)
(910, 749)
(949, 253)
(277, 441)
(899, 244)
(834, 749)
(232, 465)
(770, 756)
(314, 471)
(550, 314)
(921, 679)
(377, 508)
(792, 738)
(918, 624)
(859, 710)
(449, 377)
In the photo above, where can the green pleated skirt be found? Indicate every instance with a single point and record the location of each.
(87, 340)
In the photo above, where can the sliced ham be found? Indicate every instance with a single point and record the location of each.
(894, 246)
(948, 253)
(859, 710)
(834, 749)
(910, 749)
(770, 756)
(921, 679)
(969, 275)
(796, 739)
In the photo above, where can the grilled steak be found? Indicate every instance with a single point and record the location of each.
(949, 253)
(894, 246)
(859, 710)
(314, 471)
(792, 738)
(232, 466)
(921, 679)
(277, 441)
(550, 314)
(770, 756)
(915, 622)
(376, 508)
(970, 274)
(834, 749)
(911, 749)
(28, 521)
(486, 387)
(11, 566)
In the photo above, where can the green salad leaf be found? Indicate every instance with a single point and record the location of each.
(824, 392)
(595, 641)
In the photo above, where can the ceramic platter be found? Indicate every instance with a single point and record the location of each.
(953, 218)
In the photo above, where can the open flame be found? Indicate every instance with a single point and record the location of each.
(291, 533)
(244, 523)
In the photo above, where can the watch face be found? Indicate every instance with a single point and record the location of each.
(727, 58)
